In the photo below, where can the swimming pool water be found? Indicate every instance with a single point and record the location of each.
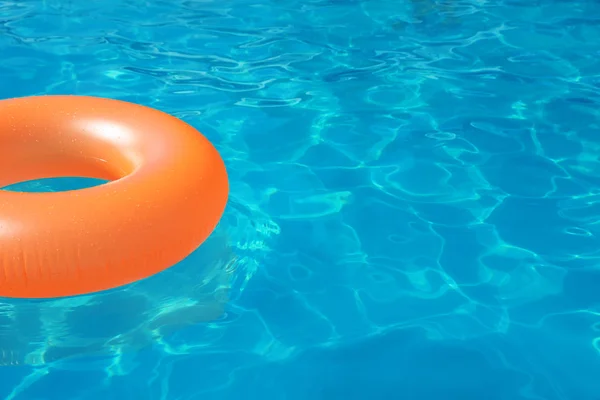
(415, 191)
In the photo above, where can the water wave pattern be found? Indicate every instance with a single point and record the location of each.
(415, 192)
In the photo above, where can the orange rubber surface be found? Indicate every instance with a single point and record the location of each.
(168, 190)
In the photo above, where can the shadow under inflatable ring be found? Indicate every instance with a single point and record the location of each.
(167, 192)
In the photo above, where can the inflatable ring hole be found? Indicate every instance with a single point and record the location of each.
(62, 184)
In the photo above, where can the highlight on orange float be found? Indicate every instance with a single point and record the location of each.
(167, 191)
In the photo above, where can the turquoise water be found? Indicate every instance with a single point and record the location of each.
(415, 198)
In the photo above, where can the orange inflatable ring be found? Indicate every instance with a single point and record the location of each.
(168, 190)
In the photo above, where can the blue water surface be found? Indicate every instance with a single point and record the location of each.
(415, 193)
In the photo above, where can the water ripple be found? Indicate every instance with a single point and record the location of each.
(414, 193)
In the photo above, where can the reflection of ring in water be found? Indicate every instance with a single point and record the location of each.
(126, 319)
